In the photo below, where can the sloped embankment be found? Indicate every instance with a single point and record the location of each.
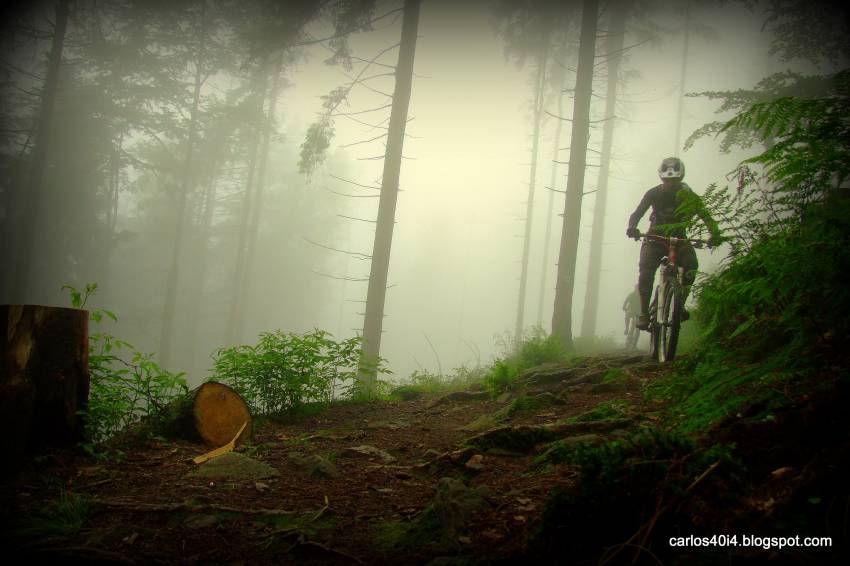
(573, 461)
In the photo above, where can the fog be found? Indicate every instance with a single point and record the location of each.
(457, 243)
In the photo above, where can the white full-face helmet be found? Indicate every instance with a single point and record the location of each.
(671, 168)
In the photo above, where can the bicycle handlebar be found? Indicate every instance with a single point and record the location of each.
(697, 243)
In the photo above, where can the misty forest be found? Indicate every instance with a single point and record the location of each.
(425, 282)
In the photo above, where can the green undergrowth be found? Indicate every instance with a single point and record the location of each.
(623, 484)
(423, 382)
(715, 385)
(424, 530)
(62, 517)
(535, 349)
(525, 404)
(605, 410)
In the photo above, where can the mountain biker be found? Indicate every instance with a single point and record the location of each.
(631, 307)
(673, 206)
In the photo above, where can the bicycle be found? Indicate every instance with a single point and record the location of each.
(633, 333)
(664, 323)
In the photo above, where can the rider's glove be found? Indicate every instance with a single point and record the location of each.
(632, 232)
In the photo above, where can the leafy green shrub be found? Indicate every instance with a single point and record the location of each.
(426, 382)
(126, 385)
(539, 348)
(284, 370)
(784, 284)
(501, 376)
(536, 349)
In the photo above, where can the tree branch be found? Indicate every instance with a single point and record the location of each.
(358, 255)
(338, 277)
(353, 183)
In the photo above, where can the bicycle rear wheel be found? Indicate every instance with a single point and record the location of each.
(670, 321)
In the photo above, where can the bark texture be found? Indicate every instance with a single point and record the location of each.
(44, 378)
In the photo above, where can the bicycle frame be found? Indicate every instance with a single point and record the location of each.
(664, 329)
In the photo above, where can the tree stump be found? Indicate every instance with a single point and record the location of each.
(212, 413)
(44, 377)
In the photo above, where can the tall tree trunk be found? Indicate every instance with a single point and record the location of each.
(550, 206)
(681, 108)
(13, 207)
(168, 312)
(562, 319)
(27, 247)
(193, 308)
(237, 297)
(616, 38)
(532, 179)
(254, 223)
(376, 294)
(44, 378)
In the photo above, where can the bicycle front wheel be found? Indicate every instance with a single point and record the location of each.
(670, 321)
(654, 326)
(634, 334)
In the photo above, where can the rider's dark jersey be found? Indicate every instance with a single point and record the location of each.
(667, 209)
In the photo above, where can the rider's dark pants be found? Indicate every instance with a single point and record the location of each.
(651, 253)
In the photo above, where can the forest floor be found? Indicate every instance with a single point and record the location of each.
(436, 478)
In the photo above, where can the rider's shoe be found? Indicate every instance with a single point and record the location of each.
(643, 322)
(685, 315)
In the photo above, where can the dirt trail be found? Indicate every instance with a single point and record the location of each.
(331, 504)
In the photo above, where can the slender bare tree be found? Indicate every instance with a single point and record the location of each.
(614, 55)
(376, 294)
(170, 305)
(562, 319)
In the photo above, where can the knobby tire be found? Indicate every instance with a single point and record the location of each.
(670, 322)
(654, 327)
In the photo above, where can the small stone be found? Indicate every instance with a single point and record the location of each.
(314, 465)
(475, 463)
(368, 452)
(261, 486)
(464, 540)
(201, 521)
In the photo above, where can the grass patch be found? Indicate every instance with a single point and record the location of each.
(63, 517)
(612, 375)
(530, 403)
(606, 410)
(714, 386)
